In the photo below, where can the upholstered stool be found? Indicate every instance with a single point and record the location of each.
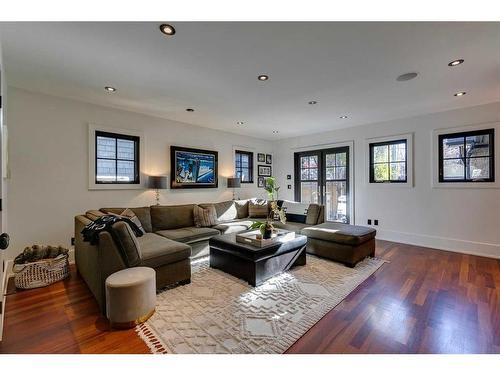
(130, 296)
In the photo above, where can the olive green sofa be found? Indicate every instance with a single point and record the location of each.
(170, 241)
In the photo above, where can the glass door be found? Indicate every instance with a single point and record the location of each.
(336, 184)
(322, 176)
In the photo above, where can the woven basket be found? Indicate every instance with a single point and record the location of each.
(41, 273)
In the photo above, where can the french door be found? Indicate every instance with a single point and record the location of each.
(322, 176)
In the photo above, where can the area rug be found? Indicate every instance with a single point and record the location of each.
(218, 313)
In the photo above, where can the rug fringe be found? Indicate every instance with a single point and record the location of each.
(153, 342)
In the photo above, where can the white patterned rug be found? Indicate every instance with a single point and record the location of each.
(218, 313)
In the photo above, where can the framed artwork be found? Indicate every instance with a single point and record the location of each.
(264, 170)
(269, 159)
(193, 168)
(261, 158)
(261, 181)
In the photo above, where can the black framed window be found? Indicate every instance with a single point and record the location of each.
(244, 166)
(116, 158)
(467, 156)
(389, 162)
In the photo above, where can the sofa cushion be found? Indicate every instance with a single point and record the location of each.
(190, 234)
(291, 226)
(340, 233)
(142, 213)
(313, 212)
(258, 208)
(158, 251)
(204, 217)
(127, 243)
(172, 217)
(234, 226)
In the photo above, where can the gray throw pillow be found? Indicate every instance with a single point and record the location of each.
(258, 208)
(204, 217)
(129, 214)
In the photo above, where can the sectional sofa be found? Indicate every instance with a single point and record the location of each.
(171, 240)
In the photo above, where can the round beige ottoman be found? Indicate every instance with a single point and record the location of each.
(130, 296)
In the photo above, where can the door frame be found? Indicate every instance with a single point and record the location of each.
(352, 160)
(3, 262)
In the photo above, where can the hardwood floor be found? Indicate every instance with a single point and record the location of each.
(423, 301)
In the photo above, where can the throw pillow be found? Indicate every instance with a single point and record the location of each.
(204, 217)
(129, 214)
(296, 212)
(258, 208)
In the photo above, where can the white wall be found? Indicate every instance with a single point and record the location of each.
(48, 184)
(464, 220)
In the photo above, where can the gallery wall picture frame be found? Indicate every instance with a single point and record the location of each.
(264, 170)
(192, 168)
(261, 158)
(261, 181)
(269, 159)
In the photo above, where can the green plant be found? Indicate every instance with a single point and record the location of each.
(272, 190)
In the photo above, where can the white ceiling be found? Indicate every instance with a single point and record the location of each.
(349, 68)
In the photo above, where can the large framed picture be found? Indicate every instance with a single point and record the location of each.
(264, 170)
(193, 168)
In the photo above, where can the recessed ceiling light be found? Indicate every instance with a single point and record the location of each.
(109, 89)
(343, 117)
(239, 123)
(189, 109)
(263, 77)
(275, 132)
(461, 93)
(313, 102)
(167, 29)
(406, 76)
(456, 62)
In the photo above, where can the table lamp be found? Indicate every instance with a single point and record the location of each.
(233, 182)
(157, 183)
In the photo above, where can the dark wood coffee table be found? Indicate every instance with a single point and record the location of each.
(256, 264)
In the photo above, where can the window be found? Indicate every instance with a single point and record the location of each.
(388, 161)
(116, 158)
(244, 166)
(467, 156)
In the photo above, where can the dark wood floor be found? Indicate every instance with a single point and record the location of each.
(423, 301)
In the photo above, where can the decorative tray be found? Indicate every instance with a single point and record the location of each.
(254, 237)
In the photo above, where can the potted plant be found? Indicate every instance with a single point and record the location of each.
(266, 227)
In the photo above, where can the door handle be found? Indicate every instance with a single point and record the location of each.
(4, 241)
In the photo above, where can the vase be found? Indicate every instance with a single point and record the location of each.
(267, 232)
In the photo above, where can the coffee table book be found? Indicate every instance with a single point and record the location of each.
(254, 237)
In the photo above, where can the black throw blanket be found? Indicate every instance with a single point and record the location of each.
(105, 223)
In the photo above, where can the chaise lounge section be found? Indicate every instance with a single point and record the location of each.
(344, 243)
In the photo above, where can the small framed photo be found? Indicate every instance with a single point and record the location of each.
(264, 170)
(261, 158)
(288, 176)
(261, 181)
(269, 159)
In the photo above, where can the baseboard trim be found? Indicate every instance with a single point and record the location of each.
(483, 249)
